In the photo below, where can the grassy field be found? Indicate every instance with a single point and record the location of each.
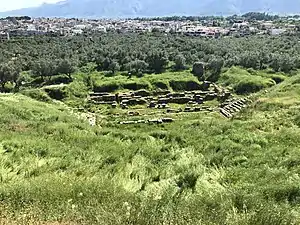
(201, 169)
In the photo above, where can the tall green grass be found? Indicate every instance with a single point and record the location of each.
(200, 169)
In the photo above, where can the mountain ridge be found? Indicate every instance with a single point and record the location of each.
(150, 8)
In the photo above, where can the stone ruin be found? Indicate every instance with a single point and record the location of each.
(161, 99)
(232, 106)
(193, 101)
(150, 121)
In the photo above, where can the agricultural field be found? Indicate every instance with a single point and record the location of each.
(93, 145)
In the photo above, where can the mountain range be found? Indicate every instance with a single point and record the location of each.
(150, 8)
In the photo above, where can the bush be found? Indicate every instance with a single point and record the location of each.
(278, 78)
(77, 89)
(37, 94)
(57, 93)
(160, 85)
(59, 79)
(37, 81)
(106, 87)
(251, 86)
(136, 85)
(182, 85)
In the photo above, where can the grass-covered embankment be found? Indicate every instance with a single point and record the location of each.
(249, 81)
(177, 81)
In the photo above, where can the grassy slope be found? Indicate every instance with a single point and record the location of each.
(203, 169)
(247, 81)
(167, 80)
(241, 80)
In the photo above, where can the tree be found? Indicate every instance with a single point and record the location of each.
(4, 74)
(215, 66)
(287, 63)
(44, 69)
(297, 62)
(136, 67)
(198, 70)
(231, 61)
(106, 63)
(9, 72)
(249, 60)
(65, 67)
(264, 59)
(114, 67)
(282, 62)
(24, 77)
(16, 74)
(191, 58)
(157, 61)
(275, 64)
(259, 16)
(179, 63)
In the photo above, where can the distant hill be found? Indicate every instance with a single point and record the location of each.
(148, 8)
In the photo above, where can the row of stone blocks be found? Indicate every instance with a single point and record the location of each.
(144, 97)
(150, 121)
(191, 109)
(230, 107)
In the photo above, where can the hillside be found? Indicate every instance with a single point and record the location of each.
(201, 168)
(146, 8)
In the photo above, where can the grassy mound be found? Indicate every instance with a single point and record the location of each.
(244, 82)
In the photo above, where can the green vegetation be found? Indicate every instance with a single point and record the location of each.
(200, 169)
(45, 58)
(244, 82)
(169, 80)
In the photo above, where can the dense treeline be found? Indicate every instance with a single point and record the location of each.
(248, 16)
(136, 54)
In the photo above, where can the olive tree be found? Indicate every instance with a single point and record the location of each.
(198, 70)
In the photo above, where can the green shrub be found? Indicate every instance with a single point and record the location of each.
(57, 93)
(269, 214)
(251, 86)
(137, 85)
(183, 85)
(59, 79)
(37, 94)
(77, 89)
(296, 81)
(278, 78)
(160, 85)
(106, 87)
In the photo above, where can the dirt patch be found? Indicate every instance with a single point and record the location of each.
(17, 127)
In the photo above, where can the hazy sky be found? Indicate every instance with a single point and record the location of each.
(17, 4)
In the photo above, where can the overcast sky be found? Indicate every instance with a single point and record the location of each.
(6, 5)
